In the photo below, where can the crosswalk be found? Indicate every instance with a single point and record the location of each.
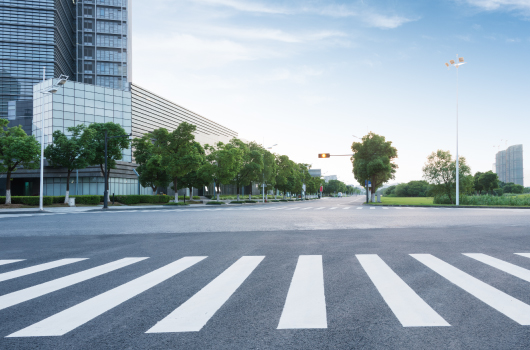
(293, 209)
(304, 305)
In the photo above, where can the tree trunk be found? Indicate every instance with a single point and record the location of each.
(238, 188)
(176, 191)
(191, 193)
(250, 195)
(154, 190)
(8, 188)
(67, 195)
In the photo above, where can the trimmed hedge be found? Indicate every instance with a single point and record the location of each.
(214, 203)
(514, 201)
(143, 198)
(28, 200)
(249, 201)
(178, 203)
(237, 202)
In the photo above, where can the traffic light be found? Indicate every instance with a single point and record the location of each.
(323, 155)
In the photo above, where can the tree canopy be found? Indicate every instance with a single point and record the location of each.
(373, 160)
(223, 161)
(151, 169)
(72, 151)
(16, 149)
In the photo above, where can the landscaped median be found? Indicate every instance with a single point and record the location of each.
(520, 201)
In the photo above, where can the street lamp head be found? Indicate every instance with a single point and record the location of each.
(62, 80)
(452, 61)
(460, 59)
(52, 90)
(447, 65)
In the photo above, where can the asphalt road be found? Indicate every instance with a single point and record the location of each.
(289, 276)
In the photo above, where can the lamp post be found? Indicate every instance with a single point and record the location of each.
(263, 172)
(106, 195)
(52, 90)
(457, 64)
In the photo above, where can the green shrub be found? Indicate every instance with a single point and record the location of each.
(249, 201)
(178, 203)
(87, 199)
(274, 200)
(142, 198)
(214, 203)
(487, 200)
(237, 202)
(283, 200)
(28, 200)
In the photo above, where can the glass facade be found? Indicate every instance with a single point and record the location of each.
(93, 186)
(104, 43)
(78, 103)
(509, 165)
(33, 35)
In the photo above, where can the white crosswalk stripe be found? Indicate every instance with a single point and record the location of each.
(346, 208)
(526, 255)
(5, 262)
(512, 269)
(37, 268)
(502, 302)
(305, 306)
(23, 295)
(409, 307)
(70, 319)
(359, 207)
(195, 313)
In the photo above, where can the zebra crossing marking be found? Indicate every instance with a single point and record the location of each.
(526, 255)
(512, 269)
(194, 313)
(409, 308)
(10, 261)
(346, 208)
(500, 301)
(359, 207)
(37, 268)
(319, 208)
(23, 295)
(305, 306)
(71, 318)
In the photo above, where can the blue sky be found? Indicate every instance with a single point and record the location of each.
(307, 75)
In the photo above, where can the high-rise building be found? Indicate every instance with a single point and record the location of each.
(104, 43)
(87, 40)
(509, 165)
(34, 34)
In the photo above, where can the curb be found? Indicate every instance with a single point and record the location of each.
(444, 206)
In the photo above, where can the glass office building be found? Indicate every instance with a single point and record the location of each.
(34, 34)
(509, 165)
(104, 43)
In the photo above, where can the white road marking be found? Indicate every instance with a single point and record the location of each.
(23, 295)
(196, 311)
(305, 306)
(71, 318)
(500, 301)
(359, 207)
(332, 208)
(512, 269)
(398, 208)
(372, 207)
(385, 208)
(5, 262)
(526, 255)
(319, 208)
(409, 308)
(37, 268)
(346, 208)
(293, 208)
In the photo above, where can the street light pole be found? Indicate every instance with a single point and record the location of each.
(263, 172)
(457, 64)
(106, 194)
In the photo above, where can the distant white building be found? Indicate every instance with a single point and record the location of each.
(330, 177)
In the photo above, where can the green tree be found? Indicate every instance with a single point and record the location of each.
(197, 179)
(373, 159)
(284, 170)
(151, 168)
(251, 164)
(224, 161)
(488, 181)
(268, 175)
(115, 146)
(440, 172)
(179, 152)
(476, 183)
(16, 149)
(71, 151)
(510, 187)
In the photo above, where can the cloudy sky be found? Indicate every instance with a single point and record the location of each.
(308, 75)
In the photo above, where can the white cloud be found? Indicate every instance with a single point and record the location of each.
(369, 17)
(297, 75)
(385, 22)
(490, 5)
(273, 34)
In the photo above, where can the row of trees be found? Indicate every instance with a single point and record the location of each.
(176, 158)
(81, 147)
(336, 186)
